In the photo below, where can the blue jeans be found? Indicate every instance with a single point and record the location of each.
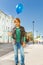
(16, 47)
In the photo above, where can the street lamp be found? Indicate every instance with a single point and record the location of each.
(36, 33)
(33, 31)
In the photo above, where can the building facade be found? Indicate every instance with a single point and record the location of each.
(6, 24)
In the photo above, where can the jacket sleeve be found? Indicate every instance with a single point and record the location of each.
(13, 33)
(24, 37)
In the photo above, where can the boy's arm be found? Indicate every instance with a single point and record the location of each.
(9, 33)
(24, 38)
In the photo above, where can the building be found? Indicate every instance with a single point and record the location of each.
(6, 24)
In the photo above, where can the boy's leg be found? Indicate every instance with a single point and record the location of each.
(22, 55)
(16, 53)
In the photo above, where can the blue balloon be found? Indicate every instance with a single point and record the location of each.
(19, 8)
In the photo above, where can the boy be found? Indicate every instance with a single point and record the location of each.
(18, 34)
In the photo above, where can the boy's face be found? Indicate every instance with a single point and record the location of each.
(17, 24)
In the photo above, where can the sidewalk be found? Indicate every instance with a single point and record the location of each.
(5, 48)
(33, 56)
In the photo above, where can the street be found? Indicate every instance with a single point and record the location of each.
(33, 56)
(5, 48)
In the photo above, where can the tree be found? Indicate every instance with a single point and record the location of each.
(29, 36)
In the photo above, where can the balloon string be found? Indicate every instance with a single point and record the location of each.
(16, 16)
(21, 1)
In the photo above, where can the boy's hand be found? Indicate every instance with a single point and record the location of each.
(23, 44)
(9, 33)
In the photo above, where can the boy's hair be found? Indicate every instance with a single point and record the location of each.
(17, 20)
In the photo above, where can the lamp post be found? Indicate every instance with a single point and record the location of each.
(36, 33)
(33, 31)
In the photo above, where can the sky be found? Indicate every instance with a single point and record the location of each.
(32, 11)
